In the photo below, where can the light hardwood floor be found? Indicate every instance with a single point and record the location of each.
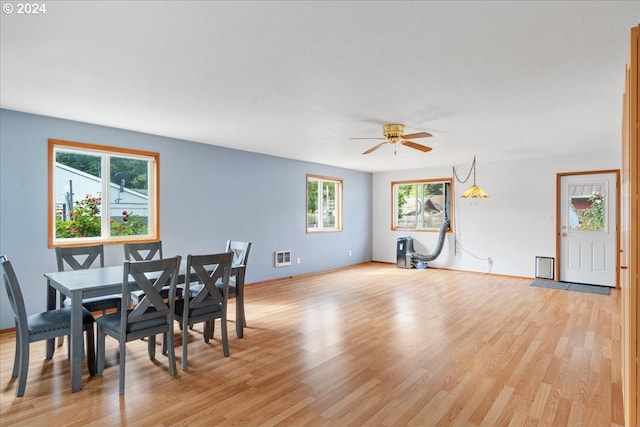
(368, 345)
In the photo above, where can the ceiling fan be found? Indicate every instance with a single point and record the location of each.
(394, 133)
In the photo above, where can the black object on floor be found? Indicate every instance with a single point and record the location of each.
(567, 286)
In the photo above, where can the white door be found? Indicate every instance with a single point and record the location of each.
(588, 229)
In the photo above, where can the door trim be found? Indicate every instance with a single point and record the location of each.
(617, 219)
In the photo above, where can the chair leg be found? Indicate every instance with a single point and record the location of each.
(91, 351)
(123, 360)
(240, 307)
(100, 349)
(23, 367)
(61, 338)
(225, 336)
(185, 328)
(16, 358)
(151, 346)
(164, 344)
(50, 347)
(206, 331)
(172, 352)
(244, 318)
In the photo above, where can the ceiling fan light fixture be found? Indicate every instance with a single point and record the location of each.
(393, 132)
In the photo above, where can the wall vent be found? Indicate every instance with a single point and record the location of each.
(545, 267)
(282, 258)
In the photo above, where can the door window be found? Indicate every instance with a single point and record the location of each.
(587, 207)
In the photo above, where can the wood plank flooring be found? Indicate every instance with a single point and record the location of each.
(370, 345)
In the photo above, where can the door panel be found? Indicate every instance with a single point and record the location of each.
(599, 257)
(574, 256)
(588, 228)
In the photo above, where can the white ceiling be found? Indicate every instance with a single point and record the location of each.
(502, 80)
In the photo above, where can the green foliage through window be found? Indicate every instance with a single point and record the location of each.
(421, 204)
(84, 219)
(592, 218)
(324, 204)
(101, 193)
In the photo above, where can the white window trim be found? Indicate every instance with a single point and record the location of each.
(321, 228)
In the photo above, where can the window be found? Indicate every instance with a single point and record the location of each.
(421, 205)
(587, 207)
(100, 194)
(324, 204)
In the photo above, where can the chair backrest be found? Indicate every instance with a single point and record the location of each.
(143, 251)
(80, 258)
(240, 251)
(15, 294)
(207, 270)
(150, 277)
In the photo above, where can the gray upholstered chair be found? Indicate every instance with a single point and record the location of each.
(39, 327)
(240, 252)
(207, 302)
(144, 252)
(152, 315)
(82, 258)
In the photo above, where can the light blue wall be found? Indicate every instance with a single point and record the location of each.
(208, 194)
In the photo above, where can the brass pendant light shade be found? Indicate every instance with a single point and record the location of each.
(474, 192)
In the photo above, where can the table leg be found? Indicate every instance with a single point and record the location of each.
(76, 341)
(240, 303)
(51, 305)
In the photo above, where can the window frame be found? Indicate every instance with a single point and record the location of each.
(102, 151)
(394, 203)
(321, 179)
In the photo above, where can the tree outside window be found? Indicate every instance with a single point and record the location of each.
(86, 207)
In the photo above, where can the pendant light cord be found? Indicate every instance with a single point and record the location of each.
(473, 169)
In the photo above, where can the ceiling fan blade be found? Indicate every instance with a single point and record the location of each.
(374, 148)
(417, 135)
(367, 138)
(420, 147)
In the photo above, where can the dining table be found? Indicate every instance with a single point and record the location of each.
(80, 284)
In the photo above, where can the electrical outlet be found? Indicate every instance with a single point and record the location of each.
(298, 260)
(349, 252)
